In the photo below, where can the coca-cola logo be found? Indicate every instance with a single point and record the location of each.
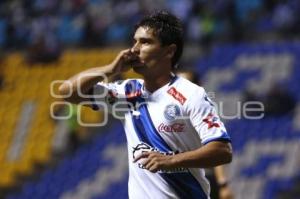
(172, 128)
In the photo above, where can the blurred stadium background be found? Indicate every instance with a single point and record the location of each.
(242, 50)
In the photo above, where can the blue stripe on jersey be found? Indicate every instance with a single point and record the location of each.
(142, 124)
(147, 132)
(185, 185)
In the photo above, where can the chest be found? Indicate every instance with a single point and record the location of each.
(164, 113)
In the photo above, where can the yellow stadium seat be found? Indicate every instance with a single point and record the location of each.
(7, 177)
(32, 83)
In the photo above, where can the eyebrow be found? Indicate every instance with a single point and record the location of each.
(144, 39)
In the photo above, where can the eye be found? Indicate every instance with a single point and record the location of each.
(145, 41)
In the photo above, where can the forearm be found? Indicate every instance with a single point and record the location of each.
(210, 155)
(84, 81)
(225, 191)
(220, 174)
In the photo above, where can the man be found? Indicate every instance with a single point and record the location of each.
(171, 126)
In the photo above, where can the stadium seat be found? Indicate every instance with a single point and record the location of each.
(32, 84)
(259, 145)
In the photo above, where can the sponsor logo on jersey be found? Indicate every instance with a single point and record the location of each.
(143, 147)
(172, 128)
(177, 95)
(171, 112)
(212, 121)
(140, 148)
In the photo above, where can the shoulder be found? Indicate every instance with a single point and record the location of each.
(121, 84)
(188, 89)
(128, 81)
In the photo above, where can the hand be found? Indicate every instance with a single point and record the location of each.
(155, 161)
(225, 193)
(124, 60)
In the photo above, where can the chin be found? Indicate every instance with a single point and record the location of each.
(139, 68)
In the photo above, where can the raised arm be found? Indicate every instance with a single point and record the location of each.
(85, 80)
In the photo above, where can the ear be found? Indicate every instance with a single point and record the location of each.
(170, 51)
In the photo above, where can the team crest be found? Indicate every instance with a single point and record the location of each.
(171, 112)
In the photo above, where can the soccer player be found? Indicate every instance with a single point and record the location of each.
(172, 128)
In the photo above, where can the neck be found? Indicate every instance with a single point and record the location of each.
(154, 83)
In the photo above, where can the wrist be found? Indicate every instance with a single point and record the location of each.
(179, 159)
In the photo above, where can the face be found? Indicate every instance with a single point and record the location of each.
(153, 56)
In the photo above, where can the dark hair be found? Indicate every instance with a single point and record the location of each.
(168, 29)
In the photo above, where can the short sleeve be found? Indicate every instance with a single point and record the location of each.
(105, 95)
(205, 119)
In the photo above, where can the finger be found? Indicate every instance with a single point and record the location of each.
(123, 52)
(153, 169)
(152, 162)
(142, 155)
(132, 57)
(148, 163)
(131, 54)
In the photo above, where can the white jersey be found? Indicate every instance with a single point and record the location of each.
(177, 117)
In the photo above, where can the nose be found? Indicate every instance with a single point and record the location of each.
(135, 48)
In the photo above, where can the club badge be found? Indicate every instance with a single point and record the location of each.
(171, 112)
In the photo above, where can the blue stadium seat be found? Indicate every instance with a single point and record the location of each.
(86, 161)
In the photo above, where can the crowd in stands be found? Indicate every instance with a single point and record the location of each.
(277, 101)
(44, 27)
(47, 24)
(1, 72)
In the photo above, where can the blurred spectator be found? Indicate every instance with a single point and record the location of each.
(279, 101)
(250, 97)
(93, 32)
(106, 22)
(181, 8)
(284, 17)
(10, 39)
(208, 27)
(74, 140)
(1, 70)
(190, 75)
(70, 135)
(44, 45)
(44, 50)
